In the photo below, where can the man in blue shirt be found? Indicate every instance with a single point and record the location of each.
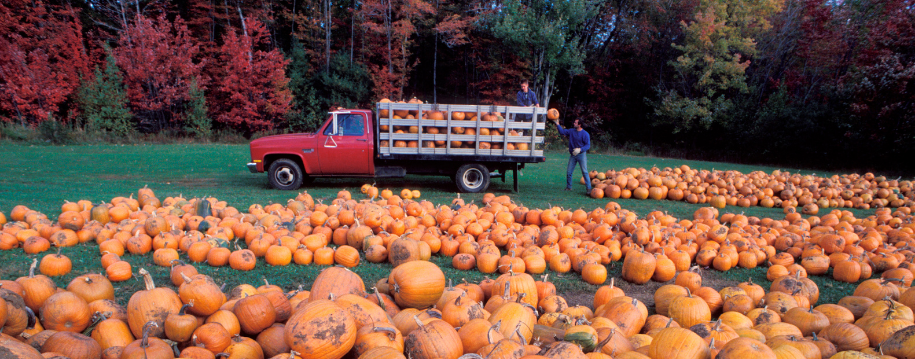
(579, 143)
(526, 98)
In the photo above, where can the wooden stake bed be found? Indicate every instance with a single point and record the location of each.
(391, 130)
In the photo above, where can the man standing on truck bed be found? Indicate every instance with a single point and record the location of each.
(579, 143)
(526, 98)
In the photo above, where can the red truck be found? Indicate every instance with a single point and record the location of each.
(471, 143)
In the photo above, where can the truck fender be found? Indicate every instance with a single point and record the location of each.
(270, 157)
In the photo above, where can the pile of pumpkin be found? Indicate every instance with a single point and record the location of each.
(732, 188)
(498, 236)
(463, 123)
(413, 314)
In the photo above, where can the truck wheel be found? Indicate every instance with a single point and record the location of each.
(472, 178)
(285, 174)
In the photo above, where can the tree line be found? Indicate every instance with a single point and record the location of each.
(820, 82)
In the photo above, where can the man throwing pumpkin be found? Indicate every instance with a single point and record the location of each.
(579, 143)
(526, 98)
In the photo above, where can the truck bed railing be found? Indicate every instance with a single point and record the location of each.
(392, 139)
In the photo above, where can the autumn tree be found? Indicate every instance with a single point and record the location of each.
(157, 58)
(547, 35)
(390, 30)
(716, 51)
(252, 93)
(103, 101)
(42, 58)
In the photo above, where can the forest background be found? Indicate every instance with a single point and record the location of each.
(822, 83)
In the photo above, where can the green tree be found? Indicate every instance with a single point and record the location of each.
(547, 34)
(306, 113)
(711, 71)
(196, 121)
(346, 84)
(104, 101)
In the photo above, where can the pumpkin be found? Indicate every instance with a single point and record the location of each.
(255, 313)
(363, 311)
(417, 284)
(337, 281)
(92, 287)
(677, 343)
(901, 344)
(148, 347)
(741, 348)
(151, 305)
(119, 271)
(515, 317)
(213, 336)
(180, 326)
(65, 311)
(845, 336)
(308, 331)
(552, 114)
(112, 333)
(639, 266)
(689, 310)
(16, 349)
(434, 339)
(36, 288)
(72, 345)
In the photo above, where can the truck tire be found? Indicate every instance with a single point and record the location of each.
(472, 178)
(285, 174)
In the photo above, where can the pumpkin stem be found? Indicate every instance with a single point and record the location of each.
(147, 279)
(605, 341)
(97, 317)
(147, 328)
(184, 307)
(185, 277)
(392, 333)
(32, 268)
(418, 322)
(490, 331)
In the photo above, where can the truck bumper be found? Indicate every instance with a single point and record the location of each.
(252, 167)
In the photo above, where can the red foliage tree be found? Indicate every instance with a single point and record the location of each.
(42, 57)
(251, 94)
(389, 38)
(157, 58)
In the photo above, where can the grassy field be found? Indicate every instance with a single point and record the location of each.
(43, 177)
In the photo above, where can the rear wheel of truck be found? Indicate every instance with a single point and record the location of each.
(472, 178)
(285, 174)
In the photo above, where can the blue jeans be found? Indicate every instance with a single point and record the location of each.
(582, 160)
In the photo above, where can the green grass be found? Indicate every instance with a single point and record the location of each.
(43, 177)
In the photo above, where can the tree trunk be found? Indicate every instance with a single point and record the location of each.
(352, 32)
(244, 29)
(124, 20)
(387, 25)
(547, 91)
(435, 62)
(435, 72)
(328, 22)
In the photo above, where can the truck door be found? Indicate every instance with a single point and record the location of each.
(345, 145)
